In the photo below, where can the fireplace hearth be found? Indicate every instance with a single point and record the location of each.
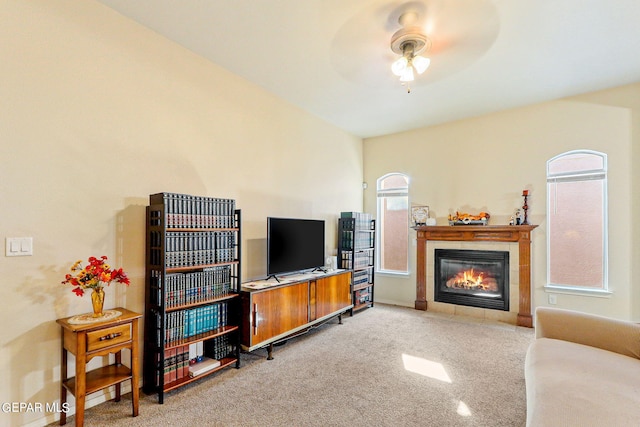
(472, 278)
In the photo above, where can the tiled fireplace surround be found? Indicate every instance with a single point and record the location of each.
(502, 316)
(514, 239)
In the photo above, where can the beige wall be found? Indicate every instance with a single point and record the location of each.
(484, 163)
(96, 114)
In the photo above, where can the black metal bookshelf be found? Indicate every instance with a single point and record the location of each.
(356, 252)
(192, 303)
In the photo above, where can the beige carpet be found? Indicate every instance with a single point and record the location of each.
(385, 366)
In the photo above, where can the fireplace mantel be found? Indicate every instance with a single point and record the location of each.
(478, 233)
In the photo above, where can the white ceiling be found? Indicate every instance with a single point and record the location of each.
(332, 57)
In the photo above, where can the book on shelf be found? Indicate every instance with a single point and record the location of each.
(176, 363)
(362, 296)
(219, 347)
(359, 278)
(186, 211)
(203, 366)
(187, 323)
(362, 221)
(356, 231)
(193, 353)
(169, 365)
(199, 350)
(178, 360)
(197, 287)
(195, 248)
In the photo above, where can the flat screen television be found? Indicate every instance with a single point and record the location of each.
(294, 245)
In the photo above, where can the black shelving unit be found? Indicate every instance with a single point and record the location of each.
(192, 302)
(356, 252)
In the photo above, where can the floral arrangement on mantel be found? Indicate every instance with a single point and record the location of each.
(95, 276)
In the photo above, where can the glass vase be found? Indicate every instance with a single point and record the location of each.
(97, 300)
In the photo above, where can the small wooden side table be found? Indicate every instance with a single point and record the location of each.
(88, 340)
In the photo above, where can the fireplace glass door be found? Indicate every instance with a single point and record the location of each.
(472, 278)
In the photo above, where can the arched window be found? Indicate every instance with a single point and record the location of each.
(393, 223)
(577, 221)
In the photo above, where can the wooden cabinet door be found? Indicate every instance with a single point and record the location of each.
(277, 311)
(333, 293)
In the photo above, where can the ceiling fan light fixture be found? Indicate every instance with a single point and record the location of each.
(420, 63)
(407, 75)
(399, 66)
(410, 41)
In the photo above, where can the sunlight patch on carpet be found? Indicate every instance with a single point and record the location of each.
(425, 367)
(463, 409)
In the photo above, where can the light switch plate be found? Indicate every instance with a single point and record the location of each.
(19, 246)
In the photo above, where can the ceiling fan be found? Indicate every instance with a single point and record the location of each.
(453, 34)
(409, 42)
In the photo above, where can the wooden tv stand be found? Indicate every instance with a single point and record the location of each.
(274, 311)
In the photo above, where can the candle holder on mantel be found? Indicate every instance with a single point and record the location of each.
(525, 207)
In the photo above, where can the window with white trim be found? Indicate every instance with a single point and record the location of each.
(393, 223)
(577, 221)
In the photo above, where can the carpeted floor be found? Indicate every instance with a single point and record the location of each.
(385, 366)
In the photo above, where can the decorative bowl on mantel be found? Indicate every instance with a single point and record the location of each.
(461, 218)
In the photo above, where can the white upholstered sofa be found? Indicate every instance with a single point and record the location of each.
(582, 370)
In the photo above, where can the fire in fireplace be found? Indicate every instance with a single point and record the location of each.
(472, 278)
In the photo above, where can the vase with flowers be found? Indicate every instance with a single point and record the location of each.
(95, 276)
